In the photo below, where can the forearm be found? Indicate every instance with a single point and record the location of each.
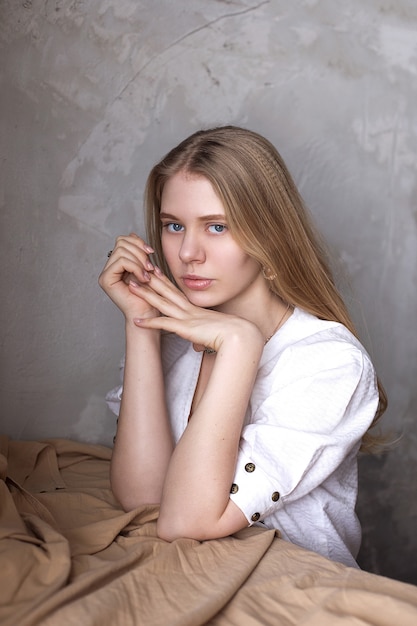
(143, 445)
(197, 487)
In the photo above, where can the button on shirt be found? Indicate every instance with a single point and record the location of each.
(314, 397)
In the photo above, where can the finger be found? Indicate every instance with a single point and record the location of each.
(124, 265)
(160, 293)
(155, 300)
(127, 250)
(136, 241)
(135, 247)
(192, 332)
(168, 289)
(168, 324)
(146, 246)
(129, 278)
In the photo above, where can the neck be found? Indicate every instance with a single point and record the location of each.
(263, 308)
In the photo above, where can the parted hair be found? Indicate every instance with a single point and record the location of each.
(266, 216)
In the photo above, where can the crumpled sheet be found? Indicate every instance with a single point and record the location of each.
(70, 555)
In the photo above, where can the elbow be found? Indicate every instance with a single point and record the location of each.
(127, 505)
(123, 498)
(166, 533)
(170, 528)
(126, 501)
(182, 523)
(170, 534)
(129, 499)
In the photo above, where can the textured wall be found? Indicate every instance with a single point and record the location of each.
(92, 93)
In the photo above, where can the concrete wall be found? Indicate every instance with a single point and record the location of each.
(92, 93)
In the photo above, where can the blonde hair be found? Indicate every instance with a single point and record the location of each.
(266, 215)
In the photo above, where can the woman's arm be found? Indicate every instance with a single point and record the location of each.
(143, 444)
(195, 501)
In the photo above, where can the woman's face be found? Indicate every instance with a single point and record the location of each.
(206, 262)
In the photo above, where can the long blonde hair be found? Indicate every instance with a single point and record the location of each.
(267, 217)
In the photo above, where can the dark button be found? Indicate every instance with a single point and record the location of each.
(250, 467)
(275, 496)
(234, 488)
(255, 517)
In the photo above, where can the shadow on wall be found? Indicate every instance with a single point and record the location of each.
(387, 514)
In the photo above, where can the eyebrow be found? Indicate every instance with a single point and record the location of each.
(204, 218)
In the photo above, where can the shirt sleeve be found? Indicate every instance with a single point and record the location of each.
(114, 396)
(306, 416)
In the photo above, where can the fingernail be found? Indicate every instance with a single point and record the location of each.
(158, 271)
(149, 265)
(149, 249)
(133, 283)
(146, 275)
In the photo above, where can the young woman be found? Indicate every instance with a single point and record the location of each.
(246, 394)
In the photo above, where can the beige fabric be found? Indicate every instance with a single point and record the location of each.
(70, 555)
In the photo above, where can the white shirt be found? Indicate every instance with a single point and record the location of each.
(314, 397)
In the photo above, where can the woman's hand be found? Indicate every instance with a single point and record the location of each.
(202, 327)
(207, 451)
(128, 263)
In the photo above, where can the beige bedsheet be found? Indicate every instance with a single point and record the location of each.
(70, 555)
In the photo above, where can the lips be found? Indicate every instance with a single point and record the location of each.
(197, 283)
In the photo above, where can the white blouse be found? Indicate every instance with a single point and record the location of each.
(314, 397)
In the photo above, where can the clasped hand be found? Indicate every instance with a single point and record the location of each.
(151, 301)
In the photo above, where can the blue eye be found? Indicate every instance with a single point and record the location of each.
(173, 227)
(217, 228)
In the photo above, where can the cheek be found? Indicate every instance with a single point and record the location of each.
(246, 263)
(168, 249)
(253, 270)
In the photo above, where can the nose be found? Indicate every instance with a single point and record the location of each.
(192, 249)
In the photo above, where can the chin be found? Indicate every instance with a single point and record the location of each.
(203, 300)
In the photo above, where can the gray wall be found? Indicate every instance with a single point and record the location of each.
(92, 93)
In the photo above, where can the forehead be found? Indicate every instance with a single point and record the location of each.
(190, 192)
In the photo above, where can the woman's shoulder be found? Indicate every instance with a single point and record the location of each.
(304, 328)
(316, 367)
(307, 339)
